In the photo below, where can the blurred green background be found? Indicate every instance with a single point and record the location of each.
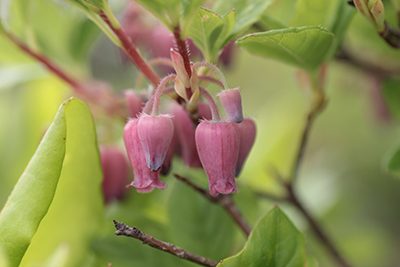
(342, 181)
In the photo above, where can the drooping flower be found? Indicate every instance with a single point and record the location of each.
(144, 179)
(247, 131)
(155, 134)
(218, 147)
(232, 103)
(185, 131)
(115, 173)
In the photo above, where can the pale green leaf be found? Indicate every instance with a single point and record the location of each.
(31, 198)
(76, 212)
(274, 242)
(210, 32)
(189, 9)
(167, 11)
(304, 47)
(247, 12)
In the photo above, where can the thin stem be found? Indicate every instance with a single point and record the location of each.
(226, 201)
(211, 79)
(211, 102)
(149, 103)
(158, 93)
(391, 36)
(183, 50)
(317, 229)
(131, 51)
(302, 146)
(123, 229)
(153, 62)
(214, 68)
(47, 63)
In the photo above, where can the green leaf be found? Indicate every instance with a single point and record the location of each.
(189, 9)
(210, 32)
(274, 242)
(247, 12)
(31, 198)
(304, 47)
(76, 213)
(198, 219)
(334, 15)
(167, 11)
(98, 3)
(3, 258)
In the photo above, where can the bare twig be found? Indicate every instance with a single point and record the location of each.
(132, 53)
(225, 201)
(317, 229)
(123, 229)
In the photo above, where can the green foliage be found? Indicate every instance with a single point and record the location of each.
(247, 13)
(198, 219)
(210, 32)
(167, 11)
(31, 198)
(58, 193)
(304, 47)
(76, 212)
(274, 242)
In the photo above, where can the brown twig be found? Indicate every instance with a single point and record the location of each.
(225, 201)
(132, 53)
(391, 36)
(317, 229)
(123, 229)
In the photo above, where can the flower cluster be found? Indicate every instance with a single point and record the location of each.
(219, 146)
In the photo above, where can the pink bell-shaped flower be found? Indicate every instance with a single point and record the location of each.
(247, 131)
(144, 179)
(185, 131)
(155, 134)
(218, 147)
(166, 166)
(232, 103)
(115, 173)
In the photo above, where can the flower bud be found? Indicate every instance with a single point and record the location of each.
(155, 134)
(218, 147)
(373, 11)
(232, 103)
(115, 173)
(247, 131)
(185, 131)
(179, 66)
(134, 103)
(145, 180)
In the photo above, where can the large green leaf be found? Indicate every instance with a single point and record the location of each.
(31, 198)
(210, 32)
(304, 47)
(76, 212)
(189, 9)
(247, 12)
(274, 242)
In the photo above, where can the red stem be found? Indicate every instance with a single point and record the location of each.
(48, 64)
(131, 51)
